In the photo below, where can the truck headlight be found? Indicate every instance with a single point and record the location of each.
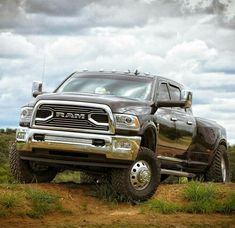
(25, 116)
(127, 122)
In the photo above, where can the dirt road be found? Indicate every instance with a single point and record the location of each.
(88, 211)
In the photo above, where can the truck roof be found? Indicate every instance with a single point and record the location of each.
(129, 73)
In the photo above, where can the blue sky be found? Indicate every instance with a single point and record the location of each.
(191, 41)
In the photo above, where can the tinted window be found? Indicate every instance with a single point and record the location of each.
(164, 93)
(175, 93)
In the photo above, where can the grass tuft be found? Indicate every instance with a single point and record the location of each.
(42, 203)
(163, 207)
(9, 200)
(228, 205)
(196, 191)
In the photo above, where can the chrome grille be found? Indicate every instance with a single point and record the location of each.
(73, 116)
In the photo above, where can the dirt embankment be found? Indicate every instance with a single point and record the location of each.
(88, 211)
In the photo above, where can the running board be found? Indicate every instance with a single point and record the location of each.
(177, 173)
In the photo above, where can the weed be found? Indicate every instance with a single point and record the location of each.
(34, 214)
(228, 205)
(163, 207)
(5, 176)
(204, 207)
(9, 200)
(42, 203)
(196, 191)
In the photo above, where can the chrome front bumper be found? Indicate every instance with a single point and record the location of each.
(113, 147)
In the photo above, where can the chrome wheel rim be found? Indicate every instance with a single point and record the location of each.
(140, 175)
(223, 169)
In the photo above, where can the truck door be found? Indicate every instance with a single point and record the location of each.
(166, 127)
(185, 125)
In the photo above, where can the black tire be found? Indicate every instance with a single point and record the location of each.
(86, 178)
(23, 172)
(122, 178)
(215, 173)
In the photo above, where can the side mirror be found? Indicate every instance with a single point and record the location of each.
(36, 88)
(184, 102)
(187, 97)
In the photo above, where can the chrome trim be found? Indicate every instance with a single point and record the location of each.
(47, 118)
(111, 123)
(140, 175)
(172, 159)
(177, 173)
(78, 142)
(95, 122)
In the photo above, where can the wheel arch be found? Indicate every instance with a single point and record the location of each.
(220, 141)
(149, 136)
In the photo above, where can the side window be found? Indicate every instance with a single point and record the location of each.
(163, 92)
(175, 93)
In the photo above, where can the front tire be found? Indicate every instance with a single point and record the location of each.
(219, 168)
(23, 172)
(140, 181)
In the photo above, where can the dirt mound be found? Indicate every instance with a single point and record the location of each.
(83, 209)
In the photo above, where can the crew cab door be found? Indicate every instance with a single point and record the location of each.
(166, 127)
(185, 124)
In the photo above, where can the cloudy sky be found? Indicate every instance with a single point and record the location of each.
(191, 41)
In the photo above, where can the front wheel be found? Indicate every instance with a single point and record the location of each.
(140, 181)
(26, 171)
(219, 168)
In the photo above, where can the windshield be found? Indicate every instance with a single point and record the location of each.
(129, 86)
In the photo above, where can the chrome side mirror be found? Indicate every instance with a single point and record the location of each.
(187, 97)
(36, 88)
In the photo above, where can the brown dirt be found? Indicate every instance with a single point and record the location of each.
(88, 211)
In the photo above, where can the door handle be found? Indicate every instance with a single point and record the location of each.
(173, 119)
(189, 122)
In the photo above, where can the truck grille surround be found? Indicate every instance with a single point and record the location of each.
(73, 116)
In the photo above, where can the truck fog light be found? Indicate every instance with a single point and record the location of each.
(21, 135)
(123, 145)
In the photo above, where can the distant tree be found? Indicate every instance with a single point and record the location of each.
(2, 130)
(10, 131)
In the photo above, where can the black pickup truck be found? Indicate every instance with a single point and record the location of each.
(133, 129)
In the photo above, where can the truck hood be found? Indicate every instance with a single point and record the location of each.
(117, 104)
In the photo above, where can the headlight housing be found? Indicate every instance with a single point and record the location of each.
(127, 122)
(25, 116)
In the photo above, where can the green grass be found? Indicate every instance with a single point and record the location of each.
(5, 176)
(202, 198)
(227, 206)
(163, 207)
(42, 203)
(196, 191)
(67, 176)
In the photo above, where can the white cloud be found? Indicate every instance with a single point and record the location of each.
(191, 46)
(15, 46)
